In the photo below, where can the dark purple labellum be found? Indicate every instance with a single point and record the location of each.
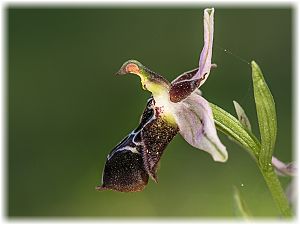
(156, 135)
(124, 172)
(131, 162)
(184, 85)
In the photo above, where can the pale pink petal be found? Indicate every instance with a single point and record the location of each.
(196, 124)
(189, 81)
(282, 168)
(206, 54)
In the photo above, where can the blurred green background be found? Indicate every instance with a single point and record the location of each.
(66, 110)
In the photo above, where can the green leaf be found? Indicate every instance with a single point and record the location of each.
(230, 126)
(266, 114)
(241, 115)
(240, 207)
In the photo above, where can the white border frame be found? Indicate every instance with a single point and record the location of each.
(175, 3)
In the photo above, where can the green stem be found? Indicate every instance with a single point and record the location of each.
(230, 126)
(276, 190)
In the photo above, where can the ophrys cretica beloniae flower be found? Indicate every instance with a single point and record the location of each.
(173, 107)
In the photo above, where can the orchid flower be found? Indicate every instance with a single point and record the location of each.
(174, 107)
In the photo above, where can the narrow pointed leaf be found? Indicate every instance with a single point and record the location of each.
(230, 126)
(240, 207)
(266, 114)
(242, 117)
